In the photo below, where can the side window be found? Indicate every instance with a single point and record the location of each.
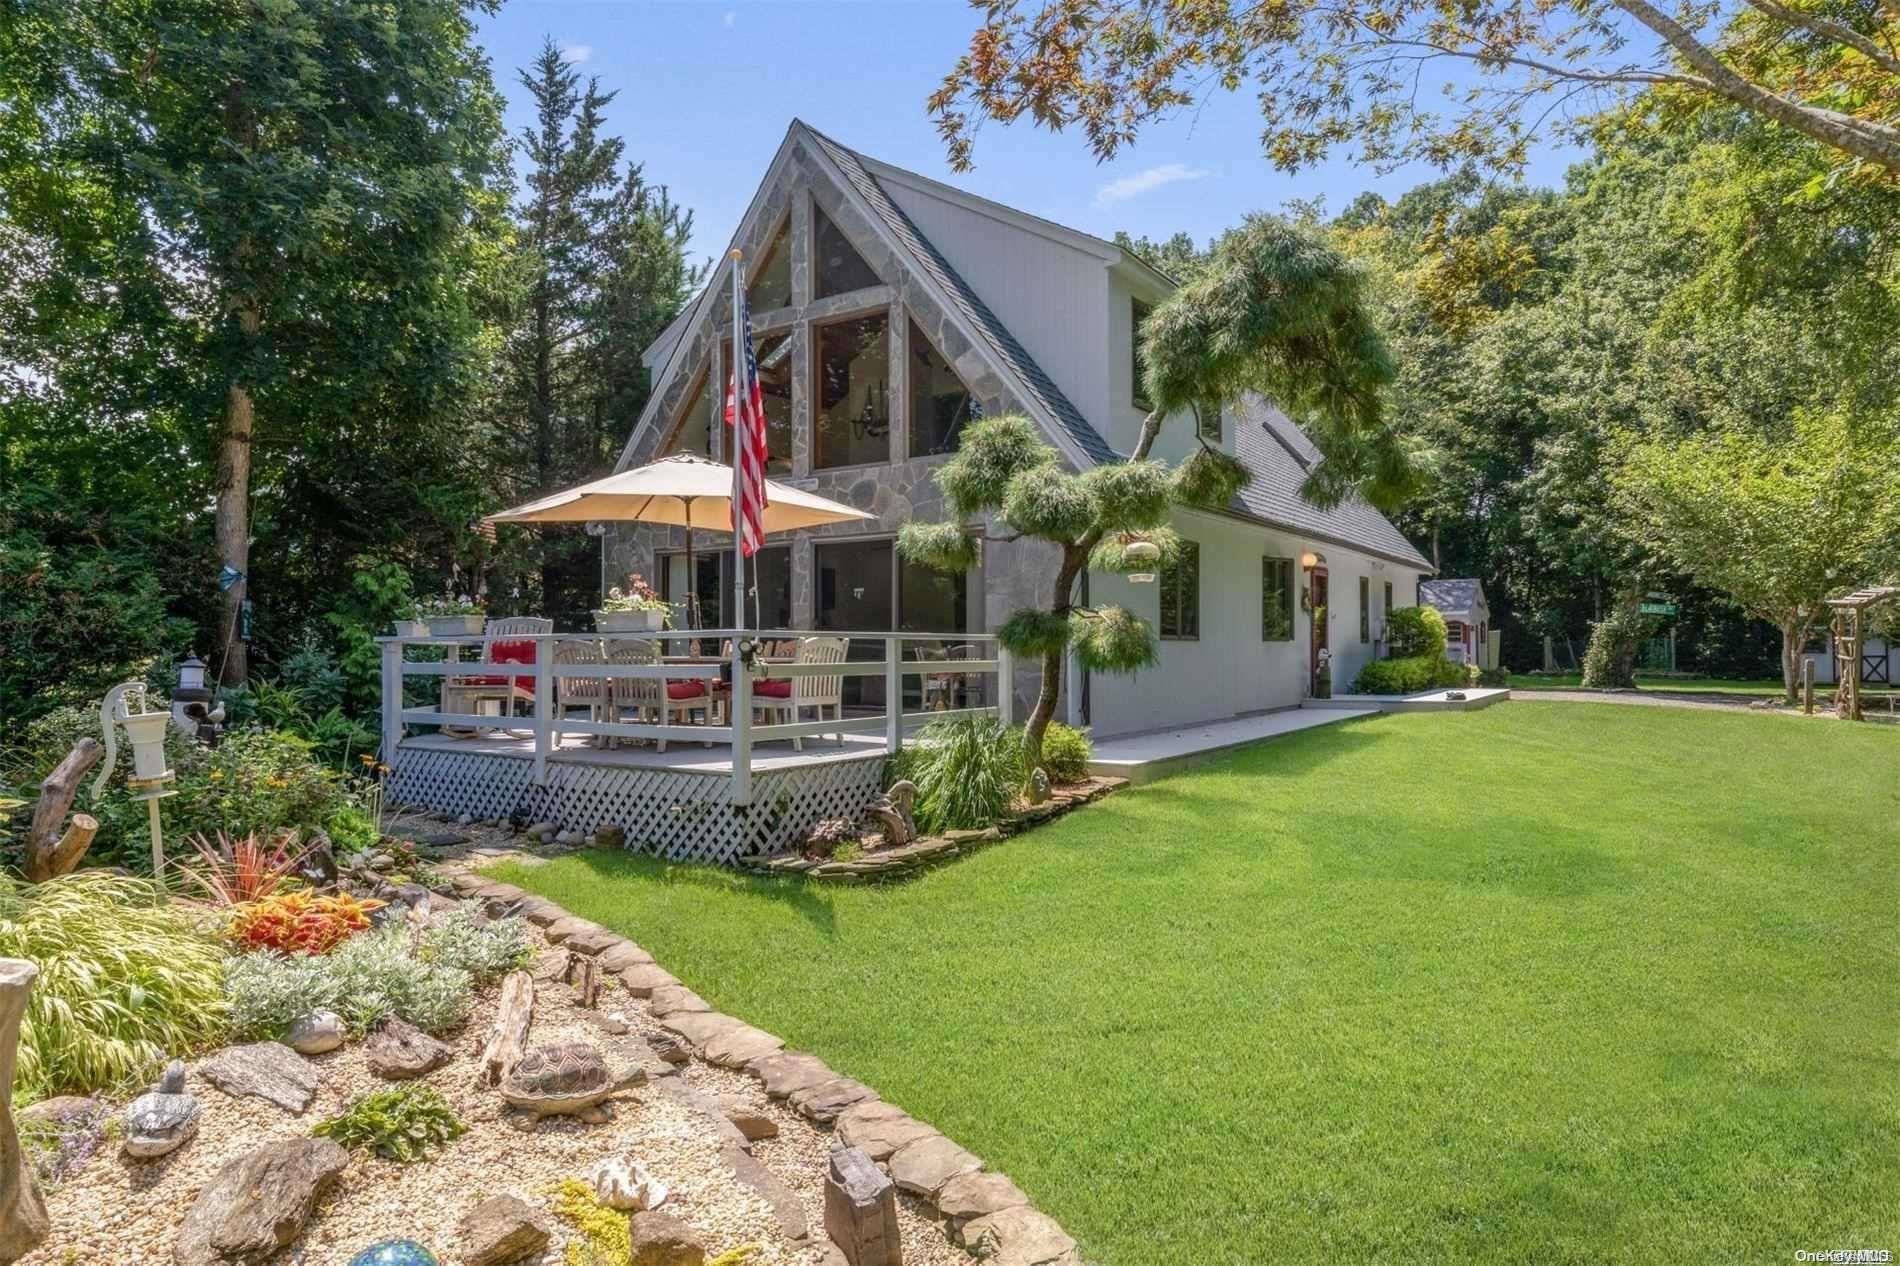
(1137, 365)
(1365, 608)
(1181, 594)
(1276, 600)
(1386, 610)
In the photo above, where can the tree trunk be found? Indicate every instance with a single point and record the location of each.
(232, 515)
(1074, 558)
(48, 852)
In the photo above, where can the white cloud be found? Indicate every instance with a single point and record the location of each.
(730, 18)
(577, 53)
(1146, 181)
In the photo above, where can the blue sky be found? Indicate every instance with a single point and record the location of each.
(708, 88)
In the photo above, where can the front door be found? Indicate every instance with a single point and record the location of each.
(1321, 621)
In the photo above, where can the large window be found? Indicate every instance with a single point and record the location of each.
(1365, 608)
(840, 268)
(853, 375)
(1276, 600)
(695, 429)
(1386, 610)
(863, 586)
(1181, 593)
(1137, 363)
(939, 402)
(775, 383)
(769, 572)
(772, 285)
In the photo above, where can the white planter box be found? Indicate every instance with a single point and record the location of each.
(412, 628)
(629, 621)
(456, 625)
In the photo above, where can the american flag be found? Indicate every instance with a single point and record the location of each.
(745, 411)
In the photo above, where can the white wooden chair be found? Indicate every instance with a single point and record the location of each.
(651, 698)
(785, 698)
(504, 641)
(574, 690)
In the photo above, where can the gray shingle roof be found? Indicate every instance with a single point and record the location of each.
(1002, 343)
(1278, 453)
(1456, 594)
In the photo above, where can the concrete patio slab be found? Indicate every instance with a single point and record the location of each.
(1475, 697)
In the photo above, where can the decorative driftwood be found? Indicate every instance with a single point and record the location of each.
(508, 1040)
(587, 986)
(49, 851)
(23, 1221)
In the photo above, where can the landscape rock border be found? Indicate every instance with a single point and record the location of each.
(919, 1157)
(933, 850)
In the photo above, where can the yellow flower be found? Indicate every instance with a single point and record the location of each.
(381, 768)
(277, 780)
(217, 775)
(367, 759)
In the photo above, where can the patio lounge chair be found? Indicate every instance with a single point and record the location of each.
(786, 697)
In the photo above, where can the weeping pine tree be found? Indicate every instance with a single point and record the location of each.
(1278, 313)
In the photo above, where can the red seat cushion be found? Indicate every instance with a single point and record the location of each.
(512, 652)
(774, 688)
(685, 689)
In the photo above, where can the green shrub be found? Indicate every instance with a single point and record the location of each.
(352, 830)
(365, 979)
(1407, 676)
(484, 950)
(404, 1123)
(1414, 631)
(1494, 677)
(125, 983)
(967, 770)
(1065, 753)
(1610, 660)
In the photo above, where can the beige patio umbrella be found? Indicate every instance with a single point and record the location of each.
(683, 490)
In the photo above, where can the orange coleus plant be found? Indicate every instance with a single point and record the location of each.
(299, 923)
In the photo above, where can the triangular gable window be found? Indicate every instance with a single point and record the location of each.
(771, 286)
(840, 268)
(940, 404)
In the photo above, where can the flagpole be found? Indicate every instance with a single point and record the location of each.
(735, 447)
(739, 697)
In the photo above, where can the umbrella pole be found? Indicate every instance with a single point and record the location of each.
(692, 573)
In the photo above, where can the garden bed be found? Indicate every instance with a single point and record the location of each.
(880, 863)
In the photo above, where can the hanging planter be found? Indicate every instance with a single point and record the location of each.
(1142, 554)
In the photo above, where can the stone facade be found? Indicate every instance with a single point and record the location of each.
(897, 491)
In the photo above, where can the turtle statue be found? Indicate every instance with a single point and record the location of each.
(563, 1079)
(164, 1120)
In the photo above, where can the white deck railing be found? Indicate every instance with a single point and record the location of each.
(741, 732)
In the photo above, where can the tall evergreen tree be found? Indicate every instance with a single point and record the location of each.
(601, 260)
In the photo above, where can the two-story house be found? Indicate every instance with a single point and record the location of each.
(888, 310)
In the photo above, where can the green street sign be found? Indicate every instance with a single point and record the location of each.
(1658, 608)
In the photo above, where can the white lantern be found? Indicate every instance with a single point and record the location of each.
(125, 705)
(191, 673)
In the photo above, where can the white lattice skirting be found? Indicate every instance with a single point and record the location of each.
(686, 816)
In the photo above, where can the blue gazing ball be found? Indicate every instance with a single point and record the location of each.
(395, 1253)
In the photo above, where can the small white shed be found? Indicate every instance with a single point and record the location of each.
(1467, 618)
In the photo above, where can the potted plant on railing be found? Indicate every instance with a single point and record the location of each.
(635, 609)
(409, 621)
(450, 616)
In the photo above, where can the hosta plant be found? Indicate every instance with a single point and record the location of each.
(300, 922)
(125, 983)
(405, 1123)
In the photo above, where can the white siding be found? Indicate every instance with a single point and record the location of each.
(1051, 296)
(1230, 669)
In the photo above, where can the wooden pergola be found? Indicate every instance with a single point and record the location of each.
(1847, 626)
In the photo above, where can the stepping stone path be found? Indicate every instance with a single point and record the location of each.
(503, 1229)
(399, 1051)
(269, 1071)
(258, 1203)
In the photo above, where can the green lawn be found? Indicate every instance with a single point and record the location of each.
(1648, 681)
(1560, 984)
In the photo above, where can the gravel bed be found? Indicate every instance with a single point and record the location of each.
(117, 1210)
